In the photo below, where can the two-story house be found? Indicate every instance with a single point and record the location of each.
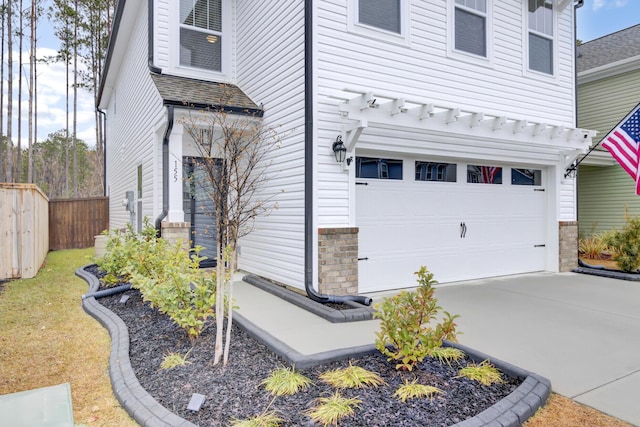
(455, 119)
(608, 88)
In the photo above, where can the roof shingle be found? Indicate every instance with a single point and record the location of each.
(608, 49)
(193, 93)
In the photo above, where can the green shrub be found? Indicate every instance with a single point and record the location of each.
(120, 245)
(626, 244)
(167, 275)
(406, 334)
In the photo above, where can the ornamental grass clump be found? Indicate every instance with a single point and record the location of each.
(407, 332)
(266, 419)
(329, 410)
(446, 355)
(352, 377)
(414, 390)
(484, 373)
(285, 381)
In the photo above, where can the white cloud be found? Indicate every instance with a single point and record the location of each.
(599, 4)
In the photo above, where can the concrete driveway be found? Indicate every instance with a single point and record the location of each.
(580, 331)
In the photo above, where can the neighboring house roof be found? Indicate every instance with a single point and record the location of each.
(200, 94)
(618, 46)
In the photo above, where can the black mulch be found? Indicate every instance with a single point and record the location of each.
(235, 391)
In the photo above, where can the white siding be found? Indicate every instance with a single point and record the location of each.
(131, 114)
(423, 70)
(161, 33)
(270, 70)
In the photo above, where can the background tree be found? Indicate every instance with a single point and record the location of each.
(234, 150)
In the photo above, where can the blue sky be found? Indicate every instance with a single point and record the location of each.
(598, 18)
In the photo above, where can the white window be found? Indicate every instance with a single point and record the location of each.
(540, 20)
(470, 22)
(386, 20)
(202, 34)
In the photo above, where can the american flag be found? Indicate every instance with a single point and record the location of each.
(489, 173)
(623, 142)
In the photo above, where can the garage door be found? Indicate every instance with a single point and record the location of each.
(462, 221)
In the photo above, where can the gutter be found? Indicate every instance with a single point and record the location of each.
(308, 169)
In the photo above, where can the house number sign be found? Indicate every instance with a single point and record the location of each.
(175, 171)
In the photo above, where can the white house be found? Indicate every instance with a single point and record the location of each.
(457, 116)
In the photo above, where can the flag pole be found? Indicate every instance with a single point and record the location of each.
(575, 164)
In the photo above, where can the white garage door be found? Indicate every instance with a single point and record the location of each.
(459, 230)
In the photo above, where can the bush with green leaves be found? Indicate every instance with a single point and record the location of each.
(407, 333)
(166, 274)
(626, 244)
(121, 245)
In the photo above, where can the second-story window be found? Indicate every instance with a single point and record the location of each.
(471, 26)
(201, 34)
(540, 25)
(382, 14)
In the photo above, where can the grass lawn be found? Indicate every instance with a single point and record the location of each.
(47, 339)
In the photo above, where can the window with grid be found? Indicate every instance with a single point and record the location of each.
(201, 34)
(382, 14)
(471, 26)
(540, 33)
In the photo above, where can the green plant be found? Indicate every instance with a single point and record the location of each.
(121, 244)
(594, 246)
(446, 354)
(266, 419)
(626, 244)
(352, 377)
(329, 410)
(412, 390)
(406, 334)
(166, 274)
(485, 373)
(285, 381)
(173, 360)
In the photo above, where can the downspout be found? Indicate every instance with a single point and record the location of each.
(104, 151)
(308, 169)
(576, 6)
(165, 171)
(152, 66)
(167, 133)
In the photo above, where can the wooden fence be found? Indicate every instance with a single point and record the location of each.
(73, 223)
(24, 230)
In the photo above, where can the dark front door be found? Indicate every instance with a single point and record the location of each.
(199, 208)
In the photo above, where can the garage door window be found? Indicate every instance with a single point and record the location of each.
(436, 171)
(376, 168)
(484, 174)
(526, 176)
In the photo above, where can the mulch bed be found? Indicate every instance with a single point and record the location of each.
(234, 391)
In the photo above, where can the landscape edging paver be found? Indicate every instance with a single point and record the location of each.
(511, 411)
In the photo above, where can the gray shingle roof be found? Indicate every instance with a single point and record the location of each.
(608, 49)
(192, 93)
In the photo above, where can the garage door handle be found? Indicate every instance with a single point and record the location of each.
(463, 230)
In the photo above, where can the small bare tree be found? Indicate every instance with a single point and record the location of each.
(234, 149)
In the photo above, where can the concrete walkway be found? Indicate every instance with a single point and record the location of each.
(582, 332)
